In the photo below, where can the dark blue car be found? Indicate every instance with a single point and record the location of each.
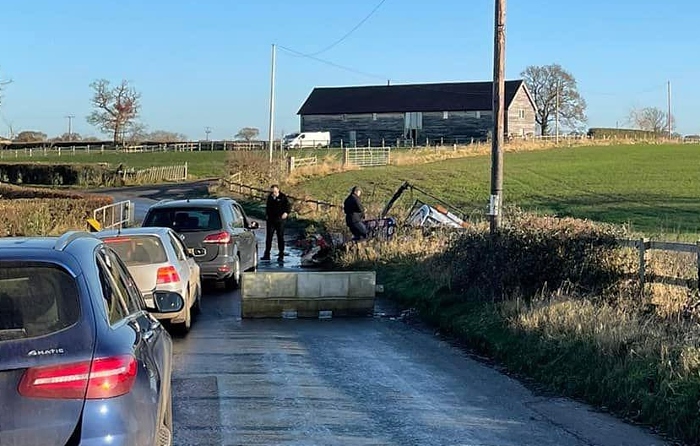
(82, 361)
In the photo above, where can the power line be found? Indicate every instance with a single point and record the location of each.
(332, 64)
(349, 33)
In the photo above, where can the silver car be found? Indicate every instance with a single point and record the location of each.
(159, 261)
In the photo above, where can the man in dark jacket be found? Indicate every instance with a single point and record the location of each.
(276, 211)
(355, 214)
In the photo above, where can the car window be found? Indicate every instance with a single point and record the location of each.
(132, 295)
(36, 299)
(238, 221)
(179, 242)
(138, 250)
(114, 301)
(184, 219)
(177, 246)
(240, 211)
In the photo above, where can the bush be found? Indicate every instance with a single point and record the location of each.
(39, 212)
(621, 133)
(255, 168)
(56, 174)
(530, 254)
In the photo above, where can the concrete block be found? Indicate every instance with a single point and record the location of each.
(262, 285)
(362, 284)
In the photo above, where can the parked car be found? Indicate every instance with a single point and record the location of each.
(158, 260)
(81, 361)
(217, 231)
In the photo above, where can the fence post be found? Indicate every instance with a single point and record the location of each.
(290, 164)
(642, 261)
(185, 170)
(346, 156)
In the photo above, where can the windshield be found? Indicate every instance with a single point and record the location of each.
(36, 299)
(138, 250)
(185, 220)
(291, 136)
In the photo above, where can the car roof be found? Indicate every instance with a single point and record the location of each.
(154, 230)
(190, 203)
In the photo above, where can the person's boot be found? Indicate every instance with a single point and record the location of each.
(265, 256)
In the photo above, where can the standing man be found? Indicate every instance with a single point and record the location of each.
(355, 214)
(276, 211)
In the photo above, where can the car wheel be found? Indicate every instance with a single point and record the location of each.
(165, 430)
(235, 279)
(255, 261)
(197, 306)
(184, 327)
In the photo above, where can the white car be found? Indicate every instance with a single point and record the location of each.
(159, 261)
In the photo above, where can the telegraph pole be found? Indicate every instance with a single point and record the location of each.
(272, 101)
(70, 126)
(499, 87)
(668, 118)
(207, 131)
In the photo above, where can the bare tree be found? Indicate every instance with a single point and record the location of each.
(651, 119)
(30, 136)
(67, 137)
(116, 108)
(248, 133)
(548, 82)
(165, 136)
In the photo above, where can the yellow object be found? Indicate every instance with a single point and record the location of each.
(94, 225)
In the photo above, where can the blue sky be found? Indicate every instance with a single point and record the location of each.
(207, 63)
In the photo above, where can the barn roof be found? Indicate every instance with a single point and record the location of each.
(453, 96)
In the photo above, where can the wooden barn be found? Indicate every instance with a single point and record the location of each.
(445, 112)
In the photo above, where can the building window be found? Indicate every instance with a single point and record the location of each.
(521, 114)
(488, 113)
(478, 115)
(472, 114)
(445, 115)
(374, 116)
(343, 117)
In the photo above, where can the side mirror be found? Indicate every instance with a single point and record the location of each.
(167, 302)
(253, 225)
(182, 237)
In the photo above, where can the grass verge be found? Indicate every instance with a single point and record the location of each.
(553, 300)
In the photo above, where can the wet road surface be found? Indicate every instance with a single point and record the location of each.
(366, 381)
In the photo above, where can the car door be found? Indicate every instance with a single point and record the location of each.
(152, 346)
(245, 236)
(190, 260)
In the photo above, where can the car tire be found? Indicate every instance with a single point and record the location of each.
(254, 268)
(197, 306)
(165, 430)
(233, 282)
(184, 327)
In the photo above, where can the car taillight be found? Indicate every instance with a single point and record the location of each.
(96, 379)
(220, 238)
(167, 274)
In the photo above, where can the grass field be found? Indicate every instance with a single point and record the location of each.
(654, 188)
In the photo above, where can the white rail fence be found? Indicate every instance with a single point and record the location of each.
(367, 156)
(295, 163)
(155, 174)
(116, 215)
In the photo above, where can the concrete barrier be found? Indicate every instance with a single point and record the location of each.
(307, 294)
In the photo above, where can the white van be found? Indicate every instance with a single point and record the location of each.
(307, 140)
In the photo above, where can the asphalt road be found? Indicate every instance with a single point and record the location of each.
(367, 381)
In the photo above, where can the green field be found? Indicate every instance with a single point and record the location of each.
(654, 188)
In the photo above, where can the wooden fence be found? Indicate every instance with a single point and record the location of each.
(235, 185)
(155, 174)
(643, 245)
